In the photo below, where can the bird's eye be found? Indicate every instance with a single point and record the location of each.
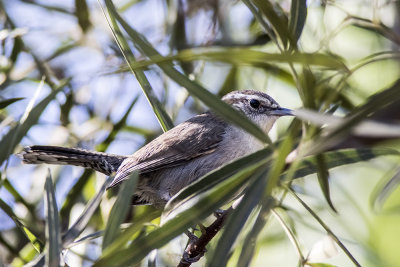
(254, 103)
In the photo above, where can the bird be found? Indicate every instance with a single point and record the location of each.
(179, 156)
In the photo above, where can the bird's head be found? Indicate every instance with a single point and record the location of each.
(262, 109)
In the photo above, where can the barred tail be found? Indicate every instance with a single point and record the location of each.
(98, 161)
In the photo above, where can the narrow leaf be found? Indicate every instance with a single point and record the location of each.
(341, 157)
(323, 179)
(238, 218)
(14, 135)
(120, 209)
(53, 240)
(249, 243)
(35, 241)
(377, 102)
(81, 223)
(383, 190)
(244, 56)
(6, 102)
(162, 116)
(278, 21)
(297, 19)
(82, 13)
(366, 128)
(86, 238)
(127, 234)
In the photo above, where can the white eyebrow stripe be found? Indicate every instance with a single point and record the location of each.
(249, 97)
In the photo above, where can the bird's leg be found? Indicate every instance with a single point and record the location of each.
(192, 246)
(218, 213)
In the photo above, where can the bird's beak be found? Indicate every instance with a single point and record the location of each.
(282, 112)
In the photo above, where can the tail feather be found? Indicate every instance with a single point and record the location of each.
(98, 161)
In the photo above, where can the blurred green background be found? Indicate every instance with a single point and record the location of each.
(64, 81)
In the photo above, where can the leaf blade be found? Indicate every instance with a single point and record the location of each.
(53, 236)
(119, 210)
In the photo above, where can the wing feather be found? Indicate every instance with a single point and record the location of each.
(198, 136)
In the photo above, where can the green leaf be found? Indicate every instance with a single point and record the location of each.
(340, 157)
(162, 116)
(82, 13)
(297, 19)
(127, 234)
(323, 179)
(120, 209)
(14, 135)
(277, 20)
(6, 102)
(238, 218)
(86, 238)
(230, 82)
(35, 241)
(244, 56)
(82, 221)
(384, 189)
(320, 264)
(366, 128)
(377, 102)
(217, 105)
(249, 243)
(53, 240)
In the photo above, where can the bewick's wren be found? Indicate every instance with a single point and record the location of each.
(179, 156)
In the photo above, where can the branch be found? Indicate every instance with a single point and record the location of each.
(197, 246)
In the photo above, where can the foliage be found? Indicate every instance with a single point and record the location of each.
(73, 85)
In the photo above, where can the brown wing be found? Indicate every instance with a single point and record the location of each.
(193, 138)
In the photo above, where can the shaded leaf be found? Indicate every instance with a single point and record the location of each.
(385, 189)
(80, 224)
(122, 240)
(277, 20)
(6, 102)
(53, 237)
(320, 264)
(249, 243)
(366, 128)
(120, 209)
(297, 18)
(244, 56)
(238, 218)
(35, 241)
(86, 238)
(341, 157)
(82, 13)
(323, 179)
(377, 102)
